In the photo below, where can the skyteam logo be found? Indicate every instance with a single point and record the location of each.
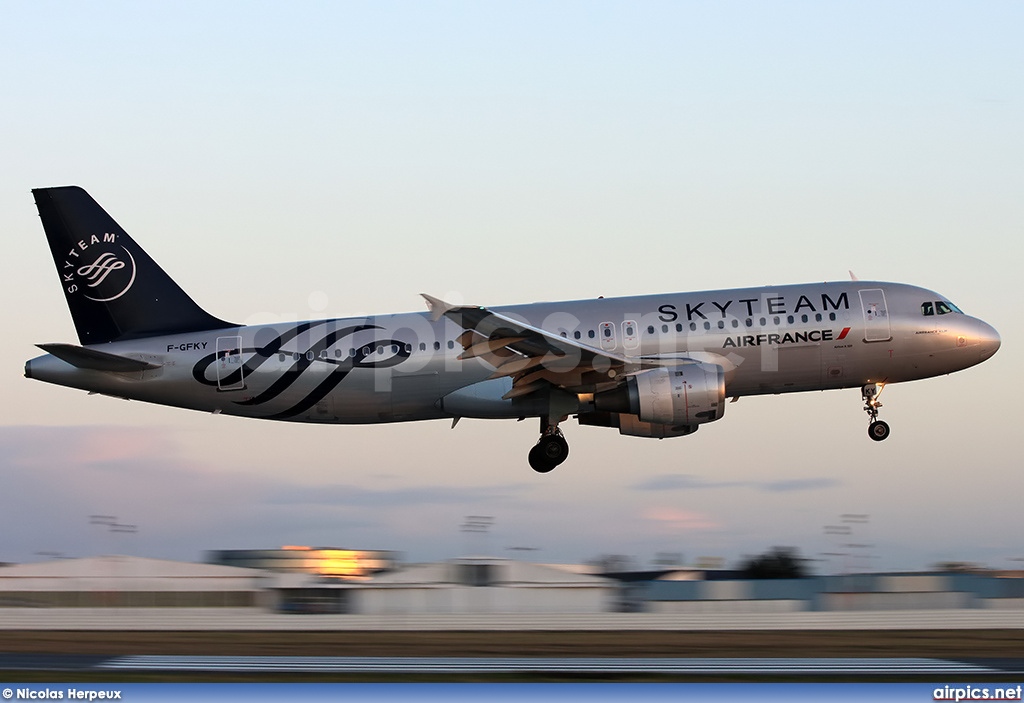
(99, 268)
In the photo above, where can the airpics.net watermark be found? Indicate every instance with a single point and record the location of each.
(978, 693)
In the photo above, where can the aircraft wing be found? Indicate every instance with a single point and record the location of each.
(532, 356)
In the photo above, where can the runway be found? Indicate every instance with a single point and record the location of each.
(523, 665)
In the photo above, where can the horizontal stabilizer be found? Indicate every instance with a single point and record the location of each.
(94, 360)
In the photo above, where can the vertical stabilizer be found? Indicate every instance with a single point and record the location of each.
(113, 288)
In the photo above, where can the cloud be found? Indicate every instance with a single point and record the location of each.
(674, 482)
(800, 484)
(54, 478)
(676, 520)
(689, 482)
(343, 494)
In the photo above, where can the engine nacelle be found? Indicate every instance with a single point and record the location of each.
(633, 426)
(688, 394)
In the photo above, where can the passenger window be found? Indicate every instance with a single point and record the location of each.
(650, 330)
(832, 316)
(721, 324)
(295, 356)
(750, 323)
(451, 344)
(576, 334)
(607, 332)
(762, 322)
(707, 325)
(927, 310)
(664, 329)
(423, 346)
(437, 346)
(679, 327)
(590, 334)
(775, 321)
(803, 318)
(789, 319)
(735, 323)
(693, 326)
(817, 318)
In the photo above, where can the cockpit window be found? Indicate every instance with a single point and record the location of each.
(939, 307)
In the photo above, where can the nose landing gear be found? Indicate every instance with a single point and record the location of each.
(551, 450)
(877, 429)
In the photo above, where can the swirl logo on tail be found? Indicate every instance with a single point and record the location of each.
(96, 273)
(98, 270)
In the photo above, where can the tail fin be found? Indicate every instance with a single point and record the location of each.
(114, 290)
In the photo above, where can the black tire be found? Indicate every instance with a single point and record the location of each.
(555, 448)
(539, 462)
(878, 430)
(548, 453)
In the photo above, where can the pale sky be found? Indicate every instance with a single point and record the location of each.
(288, 161)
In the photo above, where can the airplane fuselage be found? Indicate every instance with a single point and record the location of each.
(651, 366)
(390, 368)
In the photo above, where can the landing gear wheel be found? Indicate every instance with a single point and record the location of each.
(539, 462)
(878, 430)
(548, 453)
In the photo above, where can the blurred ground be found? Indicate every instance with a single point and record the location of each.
(890, 643)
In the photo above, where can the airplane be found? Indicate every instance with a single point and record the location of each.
(650, 366)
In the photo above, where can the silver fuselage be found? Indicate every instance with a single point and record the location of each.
(391, 368)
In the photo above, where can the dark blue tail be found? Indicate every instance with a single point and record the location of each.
(114, 290)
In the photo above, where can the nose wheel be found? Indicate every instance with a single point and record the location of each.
(550, 451)
(877, 429)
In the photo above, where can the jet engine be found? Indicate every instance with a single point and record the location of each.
(688, 394)
(633, 426)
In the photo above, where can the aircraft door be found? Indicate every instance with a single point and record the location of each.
(606, 331)
(876, 315)
(230, 372)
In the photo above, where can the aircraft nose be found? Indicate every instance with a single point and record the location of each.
(988, 340)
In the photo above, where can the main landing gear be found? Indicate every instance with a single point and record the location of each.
(877, 429)
(551, 449)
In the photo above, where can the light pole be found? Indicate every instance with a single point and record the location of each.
(477, 525)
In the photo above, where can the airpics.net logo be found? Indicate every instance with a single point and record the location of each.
(99, 268)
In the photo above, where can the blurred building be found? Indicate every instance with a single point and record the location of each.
(854, 592)
(320, 581)
(320, 561)
(122, 581)
(462, 586)
(485, 586)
